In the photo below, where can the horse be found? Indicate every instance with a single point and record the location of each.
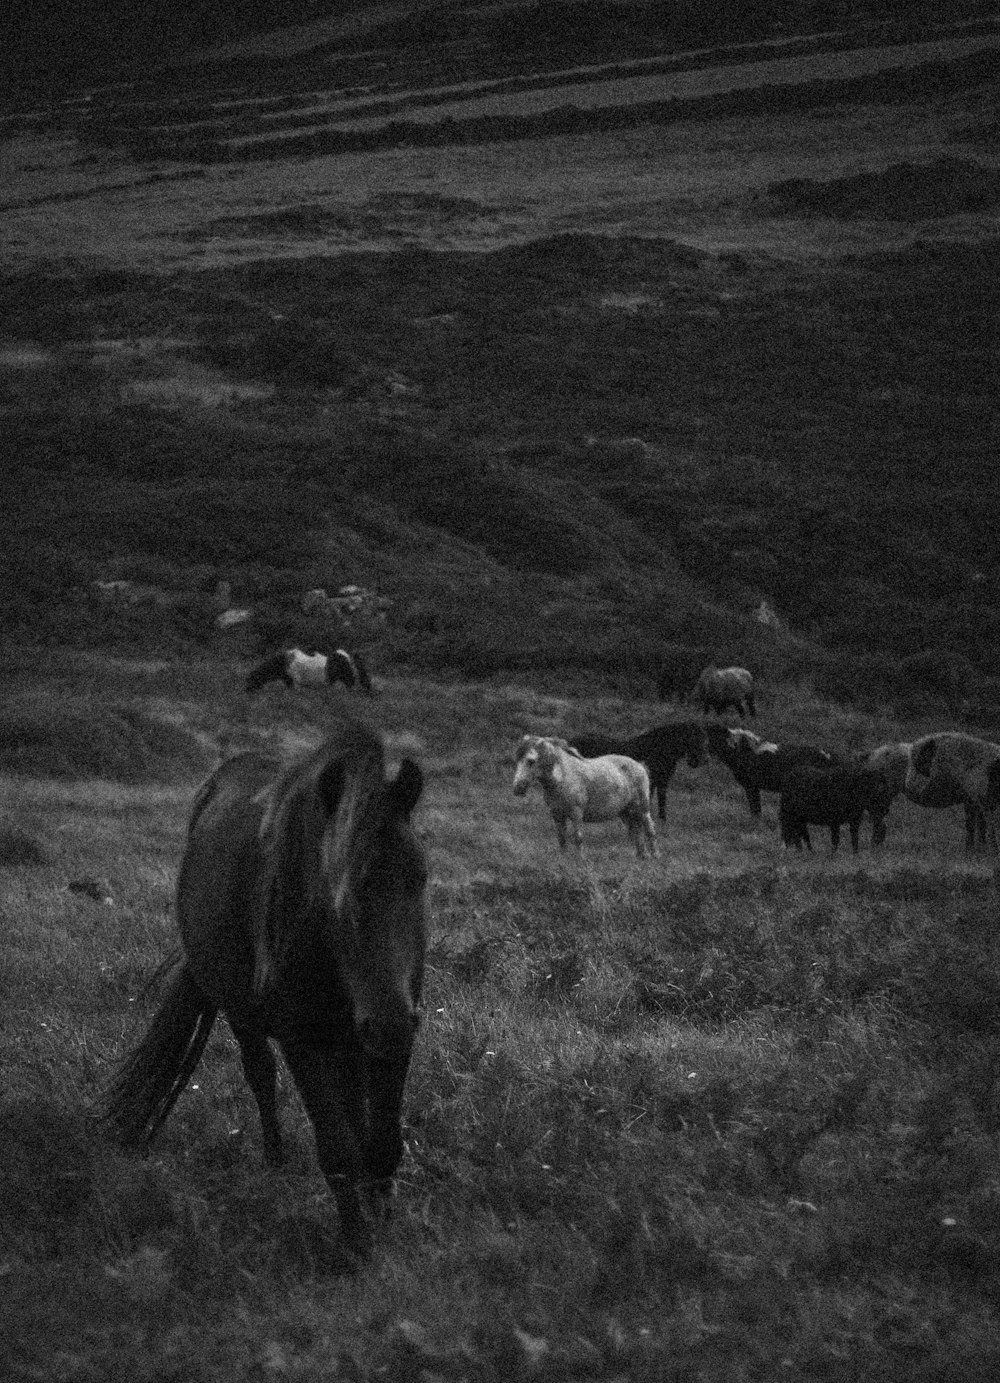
(951, 767)
(832, 795)
(894, 761)
(719, 687)
(578, 789)
(302, 915)
(659, 748)
(298, 669)
(760, 765)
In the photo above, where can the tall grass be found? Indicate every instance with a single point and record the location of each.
(728, 1114)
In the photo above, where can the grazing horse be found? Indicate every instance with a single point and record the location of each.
(950, 767)
(302, 916)
(298, 669)
(659, 748)
(578, 789)
(719, 687)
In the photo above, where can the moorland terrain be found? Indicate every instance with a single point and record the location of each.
(572, 342)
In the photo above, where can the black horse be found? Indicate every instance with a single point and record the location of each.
(298, 669)
(659, 749)
(302, 916)
(759, 765)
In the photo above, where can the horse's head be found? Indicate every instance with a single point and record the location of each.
(718, 741)
(345, 859)
(376, 873)
(745, 741)
(535, 757)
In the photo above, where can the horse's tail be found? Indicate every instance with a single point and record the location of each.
(364, 681)
(150, 1080)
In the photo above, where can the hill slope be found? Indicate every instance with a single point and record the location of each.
(561, 453)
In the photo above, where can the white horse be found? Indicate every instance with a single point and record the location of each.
(578, 789)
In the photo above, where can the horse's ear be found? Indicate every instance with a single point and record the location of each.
(404, 792)
(923, 757)
(330, 786)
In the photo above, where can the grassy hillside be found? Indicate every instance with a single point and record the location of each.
(543, 455)
(51, 45)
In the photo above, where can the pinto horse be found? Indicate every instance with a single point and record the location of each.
(949, 768)
(660, 749)
(302, 914)
(578, 789)
(894, 761)
(298, 669)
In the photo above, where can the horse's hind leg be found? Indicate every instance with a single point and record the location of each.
(649, 830)
(261, 1072)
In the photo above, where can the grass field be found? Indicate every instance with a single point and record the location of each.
(730, 1114)
(574, 352)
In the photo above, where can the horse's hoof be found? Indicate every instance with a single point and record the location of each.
(379, 1197)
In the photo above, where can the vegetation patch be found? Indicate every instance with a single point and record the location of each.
(904, 192)
(19, 848)
(51, 736)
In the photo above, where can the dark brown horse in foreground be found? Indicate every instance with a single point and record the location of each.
(301, 909)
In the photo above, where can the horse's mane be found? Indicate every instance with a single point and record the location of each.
(320, 831)
(560, 743)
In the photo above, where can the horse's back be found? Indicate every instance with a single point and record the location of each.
(952, 762)
(235, 778)
(615, 783)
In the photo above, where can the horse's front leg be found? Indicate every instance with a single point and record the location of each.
(331, 1083)
(975, 827)
(387, 1073)
(560, 830)
(989, 819)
